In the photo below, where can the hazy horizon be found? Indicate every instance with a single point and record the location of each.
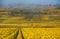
(28, 2)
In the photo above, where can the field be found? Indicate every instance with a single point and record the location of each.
(30, 33)
(41, 33)
(26, 23)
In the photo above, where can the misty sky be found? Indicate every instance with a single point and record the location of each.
(43, 2)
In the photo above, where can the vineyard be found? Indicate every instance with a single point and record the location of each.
(30, 33)
(27, 23)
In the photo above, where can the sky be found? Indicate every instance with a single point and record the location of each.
(41, 2)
